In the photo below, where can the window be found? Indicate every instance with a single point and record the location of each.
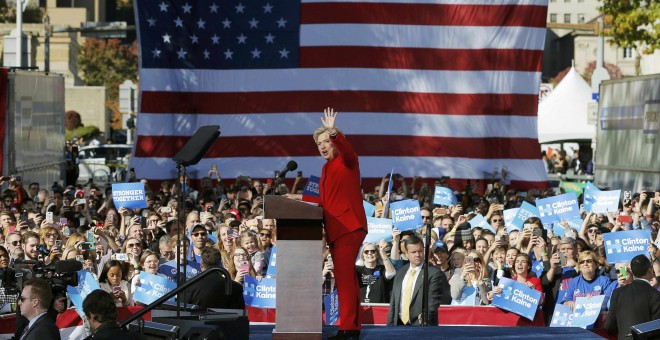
(580, 18)
(628, 53)
(553, 17)
(567, 18)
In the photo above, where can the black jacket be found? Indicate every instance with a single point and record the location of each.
(210, 293)
(111, 331)
(43, 328)
(631, 305)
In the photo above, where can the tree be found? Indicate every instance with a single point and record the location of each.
(108, 63)
(634, 24)
(32, 14)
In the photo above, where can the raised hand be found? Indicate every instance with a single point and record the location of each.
(329, 116)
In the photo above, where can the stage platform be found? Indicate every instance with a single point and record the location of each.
(264, 331)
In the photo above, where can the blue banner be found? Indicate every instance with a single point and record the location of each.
(575, 224)
(586, 310)
(588, 198)
(271, 272)
(558, 208)
(479, 221)
(259, 293)
(603, 201)
(406, 215)
(562, 317)
(169, 269)
(152, 287)
(129, 195)
(525, 212)
(509, 215)
(86, 285)
(369, 209)
(468, 297)
(444, 196)
(311, 188)
(622, 246)
(378, 229)
(517, 298)
(331, 302)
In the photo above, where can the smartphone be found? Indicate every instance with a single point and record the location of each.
(116, 289)
(49, 216)
(209, 208)
(527, 226)
(245, 266)
(470, 260)
(121, 257)
(624, 272)
(90, 236)
(538, 233)
(66, 231)
(58, 245)
(166, 210)
(81, 201)
(562, 259)
(64, 221)
(86, 246)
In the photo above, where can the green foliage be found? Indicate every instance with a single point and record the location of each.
(633, 23)
(108, 62)
(32, 14)
(85, 132)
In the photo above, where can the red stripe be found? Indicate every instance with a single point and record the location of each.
(489, 104)
(421, 58)
(303, 145)
(423, 14)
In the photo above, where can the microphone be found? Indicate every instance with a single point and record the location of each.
(291, 166)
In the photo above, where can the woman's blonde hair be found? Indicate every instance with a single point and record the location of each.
(322, 130)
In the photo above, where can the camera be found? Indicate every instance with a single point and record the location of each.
(59, 275)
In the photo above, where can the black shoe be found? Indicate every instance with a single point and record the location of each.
(346, 335)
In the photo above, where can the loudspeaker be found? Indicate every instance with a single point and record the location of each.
(197, 145)
(203, 333)
(647, 330)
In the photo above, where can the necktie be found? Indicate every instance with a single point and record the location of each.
(407, 294)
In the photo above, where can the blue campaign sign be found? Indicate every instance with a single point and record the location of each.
(468, 297)
(558, 208)
(272, 263)
(129, 195)
(517, 298)
(369, 209)
(586, 310)
(575, 224)
(622, 246)
(152, 287)
(479, 221)
(604, 201)
(562, 317)
(86, 285)
(526, 211)
(509, 215)
(169, 269)
(588, 198)
(444, 196)
(311, 188)
(259, 293)
(378, 229)
(331, 302)
(537, 268)
(406, 215)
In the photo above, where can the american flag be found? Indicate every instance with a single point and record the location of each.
(429, 87)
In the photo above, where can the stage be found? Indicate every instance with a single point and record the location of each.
(264, 331)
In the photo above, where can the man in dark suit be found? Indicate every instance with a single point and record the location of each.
(101, 312)
(34, 302)
(406, 300)
(635, 303)
(210, 291)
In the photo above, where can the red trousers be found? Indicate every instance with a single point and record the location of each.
(344, 253)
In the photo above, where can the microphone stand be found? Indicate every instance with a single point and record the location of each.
(425, 282)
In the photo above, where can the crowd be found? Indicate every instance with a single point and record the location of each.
(224, 226)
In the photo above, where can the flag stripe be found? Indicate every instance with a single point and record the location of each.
(362, 123)
(421, 58)
(450, 37)
(425, 167)
(303, 145)
(349, 101)
(422, 14)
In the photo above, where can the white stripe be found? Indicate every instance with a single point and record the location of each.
(427, 167)
(356, 79)
(356, 123)
(445, 2)
(423, 36)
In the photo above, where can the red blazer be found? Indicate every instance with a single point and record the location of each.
(340, 192)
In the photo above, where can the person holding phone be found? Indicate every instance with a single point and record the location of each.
(112, 280)
(240, 265)
(474, 274)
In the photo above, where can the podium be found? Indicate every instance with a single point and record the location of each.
(299, 266)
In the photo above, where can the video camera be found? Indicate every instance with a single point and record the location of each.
(59, 274)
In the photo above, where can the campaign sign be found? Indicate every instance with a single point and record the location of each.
(169, 269)
(588, 198)
(259, 293)
(331, 302)
(444, 196)
(378, 229)
(575, 224)
(517, 298)
(311, 189)
(129, 195)
(562, 317)
(369, 209)
(479, 221)
(152, 287)
(468, 297)
(509, 215)
(271, 272)
(525, 212)
(558, 208)
(603, 201)
(586, 310)
(86, 285)
(622, 246)
(406, 215)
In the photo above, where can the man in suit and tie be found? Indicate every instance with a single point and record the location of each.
(406, 300)
(34, 302)
(635, 303)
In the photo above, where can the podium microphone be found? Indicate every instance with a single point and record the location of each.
(291, 166)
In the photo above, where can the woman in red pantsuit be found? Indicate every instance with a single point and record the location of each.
(344, 217)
